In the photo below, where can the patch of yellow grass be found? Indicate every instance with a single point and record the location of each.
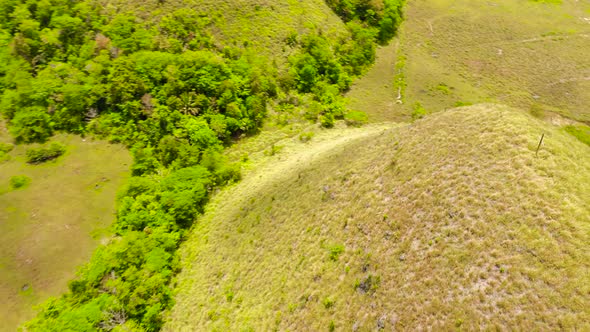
(451, 222)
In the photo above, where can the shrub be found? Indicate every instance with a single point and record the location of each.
(273, 150)
(306, 137)
(6, 147)
(418, 112)
(144, 160)
(19, 181)
(313, 111)
(356, 118)
(4, 156)
(392, 16)
(537, 111)
(327, 120)
(369, 285)
(29, 126)
(43, 154)
(328, 303)
(335, 251)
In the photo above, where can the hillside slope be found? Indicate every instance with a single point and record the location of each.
(450, 222)
(259, 24)
(527, 54)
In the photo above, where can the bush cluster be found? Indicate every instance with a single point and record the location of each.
(356, 118)
(4, 149)
(45, 153)
(326, 69)
(383, 15)
(19, 181)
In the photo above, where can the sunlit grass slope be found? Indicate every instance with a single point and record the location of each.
(451, 222)
(375, 93)
(51, 226)
(528, 54)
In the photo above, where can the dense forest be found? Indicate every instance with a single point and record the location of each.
(176, 98)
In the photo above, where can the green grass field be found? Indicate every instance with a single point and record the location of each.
(451, 222)
(51, 226)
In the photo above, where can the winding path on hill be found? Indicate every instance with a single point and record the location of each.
(294, 157)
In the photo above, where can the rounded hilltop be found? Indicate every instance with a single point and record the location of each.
(453, 221)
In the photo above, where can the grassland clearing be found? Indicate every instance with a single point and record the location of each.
(451, 222)
(374, 93)
(525, 54)
(51, 226)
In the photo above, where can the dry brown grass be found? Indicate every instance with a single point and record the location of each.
(461, 223)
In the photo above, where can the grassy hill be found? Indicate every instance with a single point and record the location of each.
(51, 226)
(261, 25)
(527, 54)
(454, 221)
(451, 222)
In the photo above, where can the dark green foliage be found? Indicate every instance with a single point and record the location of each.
(6, 147)
(357, 53)
(144, 161)
(45, 153)
(390, 19)
(19, 181)
(386, 15)
(326, 69)
(124, 76)
(129, 278)
(30, 126)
